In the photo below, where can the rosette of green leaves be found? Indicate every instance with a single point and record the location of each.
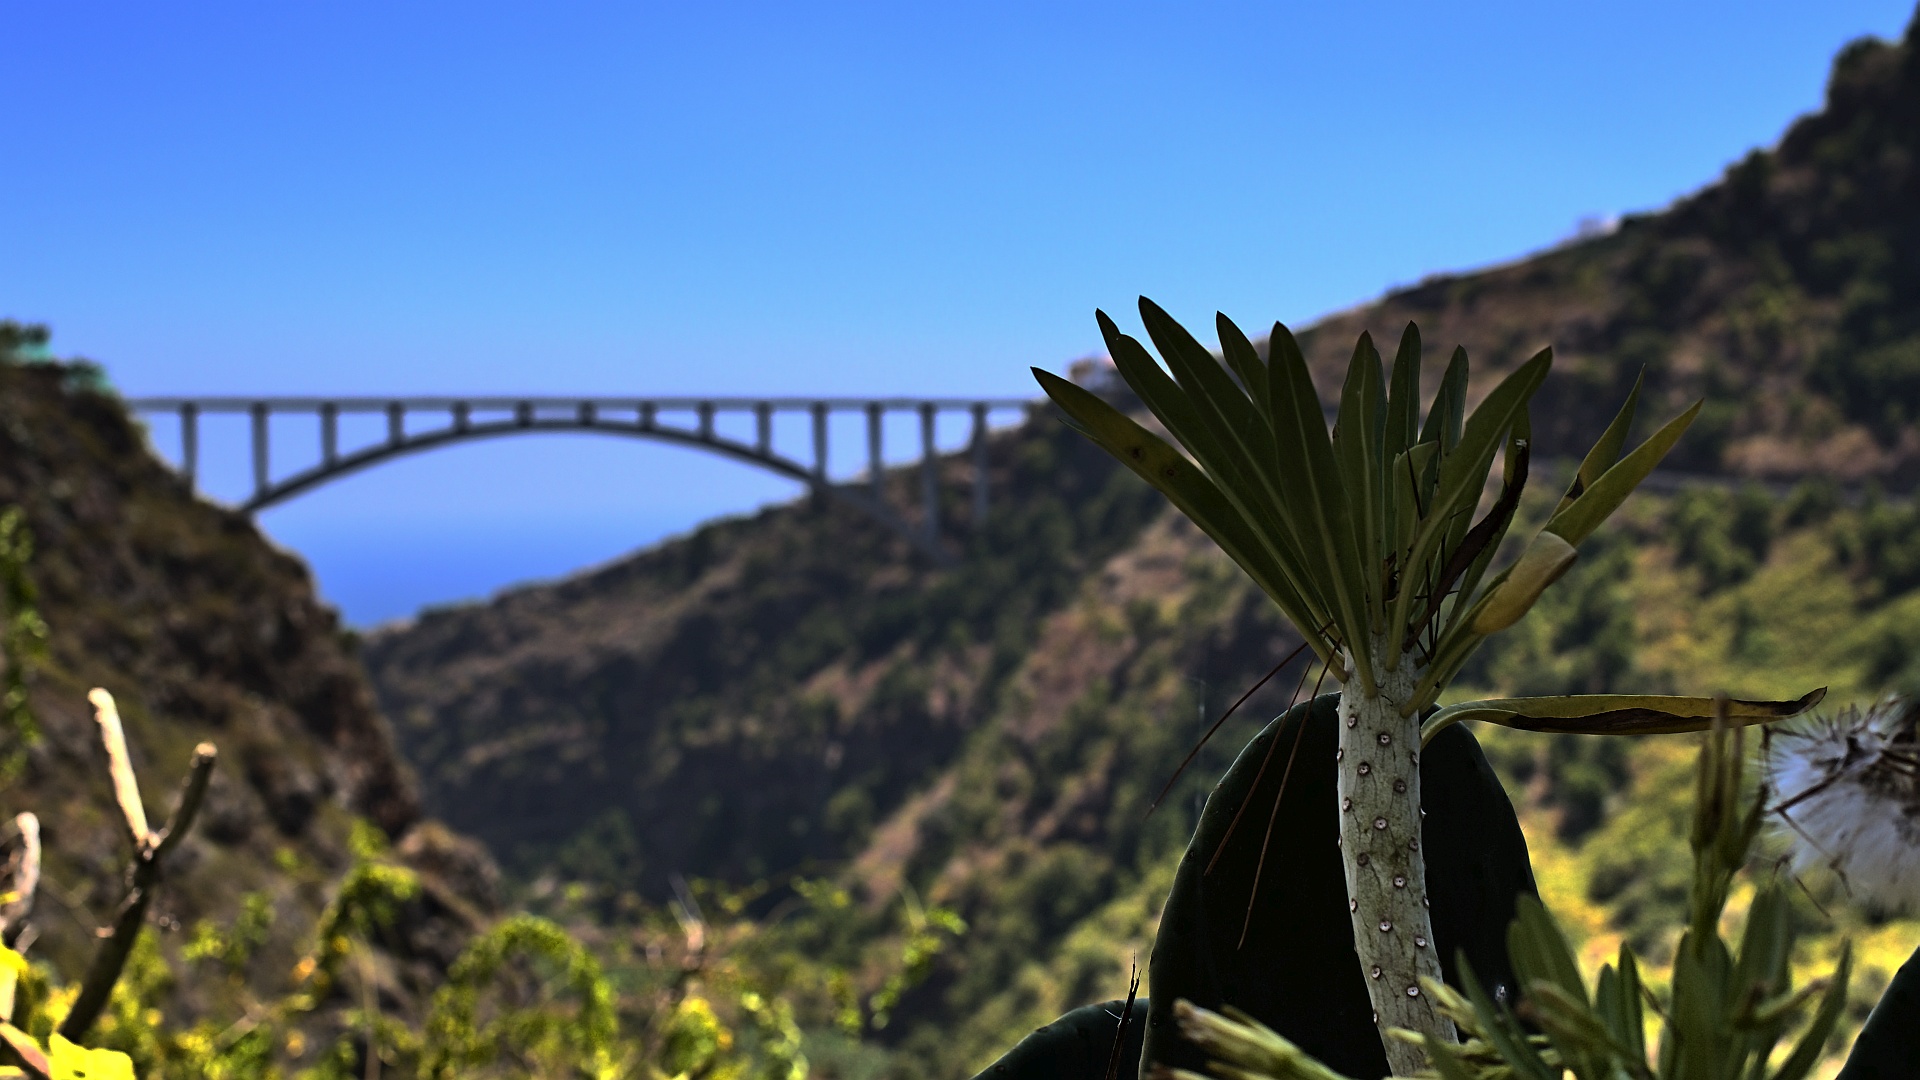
(1369, 538)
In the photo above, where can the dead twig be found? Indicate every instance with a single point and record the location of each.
(23, 880)
(149, 850)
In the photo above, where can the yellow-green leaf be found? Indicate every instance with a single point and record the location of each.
(1615, 714)
(1583, 515)
(1606, 450)
(69, 1061)
(1544, 561)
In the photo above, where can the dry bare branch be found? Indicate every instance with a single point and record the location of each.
(148, 849)
(23, 880)
(192, 792)
(126, 789)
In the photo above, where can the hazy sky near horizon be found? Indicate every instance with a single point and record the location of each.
(795, 199)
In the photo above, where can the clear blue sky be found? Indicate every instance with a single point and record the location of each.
(789, 198)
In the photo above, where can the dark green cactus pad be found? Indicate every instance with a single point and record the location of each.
(1297, 971)
(1889, 1046)
(1074, 1047)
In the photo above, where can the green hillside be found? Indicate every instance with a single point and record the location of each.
(841, 741)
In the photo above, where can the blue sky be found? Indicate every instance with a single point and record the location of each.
(783, 198)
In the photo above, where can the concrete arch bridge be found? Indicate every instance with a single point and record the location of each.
(466, 419)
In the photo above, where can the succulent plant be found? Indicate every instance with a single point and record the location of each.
(1366, 539)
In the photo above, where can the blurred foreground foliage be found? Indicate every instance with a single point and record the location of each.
(694, 991)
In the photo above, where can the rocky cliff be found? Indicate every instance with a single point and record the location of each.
(203, 631)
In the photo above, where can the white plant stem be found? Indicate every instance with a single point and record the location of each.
(1379, 791)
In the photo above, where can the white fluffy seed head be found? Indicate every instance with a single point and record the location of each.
(1848, 797)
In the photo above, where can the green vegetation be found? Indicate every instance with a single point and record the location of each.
(523, 998)
(23, 643)
(853, 756)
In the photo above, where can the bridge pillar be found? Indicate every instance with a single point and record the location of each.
(929, 473)
(396, 423)
(979, 465)
(259, 411)
(189, 441)
(329, 434)
(876, 469)
(820, 443)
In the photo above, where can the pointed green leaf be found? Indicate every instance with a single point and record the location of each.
(1403, 395)
(1216, 397)
(1576, 1031)
(1170, 402)
(1409, 498)
(1463, 473)
(1766, 946)
(1326, 527)
(1245, 361)
(1401, 431)
(1446, 1061)
(1357, 438)
(1454, 529)
(1806, 1052)
(1236, 443)
(1584, 514)
(1612, 1009)
(1468, 557)
(1540, 951)
(1449, 407)
(1606, 450)
(1501, 1030)
(1632, 1018)
(1615, 714)
(1514, 480)
(1188, 489)
(1550, 979)
(1266, 518)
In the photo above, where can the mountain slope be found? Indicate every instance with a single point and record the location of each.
(753, 697)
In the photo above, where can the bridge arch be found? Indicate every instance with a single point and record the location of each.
(639, 418)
